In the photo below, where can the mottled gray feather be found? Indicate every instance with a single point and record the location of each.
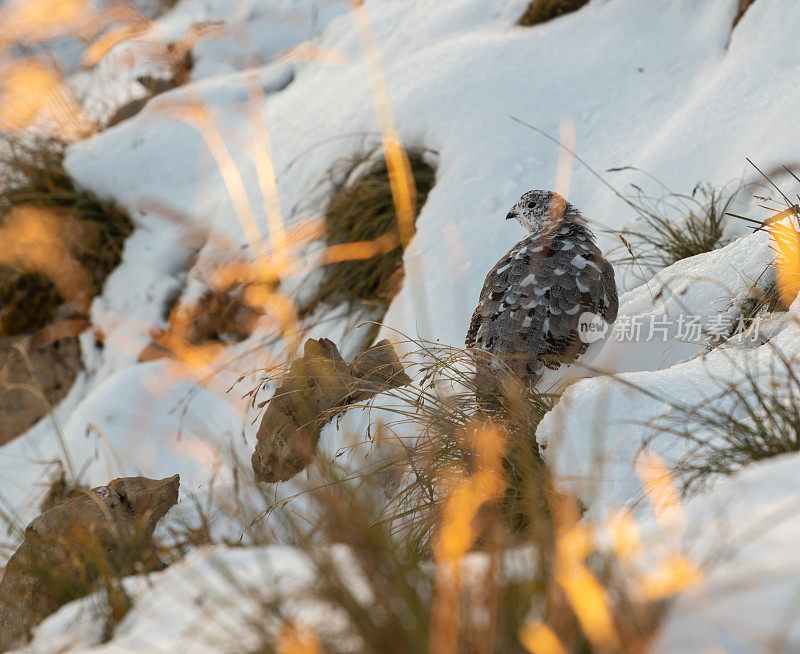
(532, 299)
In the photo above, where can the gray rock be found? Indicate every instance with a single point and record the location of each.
(104, 534)
(318, 387)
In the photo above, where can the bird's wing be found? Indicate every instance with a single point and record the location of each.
(497, 295)
(609, 299)
(532, 301)
(474, 326)
(571, 275)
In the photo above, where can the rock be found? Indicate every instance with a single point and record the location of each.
(36, 373)
(104, 534)
(317, 388)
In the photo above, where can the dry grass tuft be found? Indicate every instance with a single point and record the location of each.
(362, 211)
(759, 416)
(94, 231)
(540, 11)
(676, 226)
(29, 301)
(755, 419)
(218, 316)
(58, 244)
(778, 285)
(761, 300)
(454, 531)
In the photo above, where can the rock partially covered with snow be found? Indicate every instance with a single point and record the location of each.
(107, 531)
(195, 605)
(318, 387)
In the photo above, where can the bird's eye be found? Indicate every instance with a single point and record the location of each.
(531, 205)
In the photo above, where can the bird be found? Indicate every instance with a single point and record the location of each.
(537, 296)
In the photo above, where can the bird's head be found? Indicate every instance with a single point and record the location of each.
(537, 211)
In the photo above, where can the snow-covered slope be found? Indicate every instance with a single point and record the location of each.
(664, 85)
(745, 531)
(456, 73)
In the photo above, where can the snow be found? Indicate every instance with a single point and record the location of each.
(746, 529)
(467, 50)
(610, 416)
(224, 36)
(211, 601)
(662, 85)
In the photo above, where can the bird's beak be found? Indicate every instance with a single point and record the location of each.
(510, 215)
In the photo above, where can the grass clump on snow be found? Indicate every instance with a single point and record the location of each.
(58, 244)
(761, 300)
(362, 211)
(92, 232)
(759, 416)
(676, 226)
(755, 419)
(540, 11)
(781, 282)
(29, 301)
